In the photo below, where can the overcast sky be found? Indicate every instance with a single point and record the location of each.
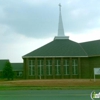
(26, 25)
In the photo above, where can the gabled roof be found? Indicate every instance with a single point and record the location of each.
(17, 66)
(2, 63)
(92, 47)
(59, 48)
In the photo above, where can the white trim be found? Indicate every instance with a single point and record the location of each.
(94, 55)
(61, 37)
(52, 56)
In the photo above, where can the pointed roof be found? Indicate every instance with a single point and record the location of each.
(61, 34)
(59, 48)
(60, 25)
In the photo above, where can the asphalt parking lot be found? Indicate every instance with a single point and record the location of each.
(45, 95)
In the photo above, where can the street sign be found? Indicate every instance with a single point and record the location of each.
(96, 72)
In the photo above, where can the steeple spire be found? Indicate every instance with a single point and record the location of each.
(60, 24)
(60, 27)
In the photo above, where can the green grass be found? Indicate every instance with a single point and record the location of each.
(47, 88)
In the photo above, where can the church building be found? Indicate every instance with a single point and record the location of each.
(62, 58)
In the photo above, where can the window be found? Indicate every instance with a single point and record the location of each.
(31, 67)
(75, 66)
(40, 68)
(57, 67)
(49, 67)
(19, 73)
(66, 67)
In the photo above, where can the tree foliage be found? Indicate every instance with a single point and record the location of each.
(8, 71)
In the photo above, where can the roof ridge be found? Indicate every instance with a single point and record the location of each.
(4, 59)
(38, 48)
(90, 41)
(16, 62)
(83, 49)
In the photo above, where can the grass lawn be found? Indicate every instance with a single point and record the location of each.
(49, 84)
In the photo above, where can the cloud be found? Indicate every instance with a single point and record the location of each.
(28, 24)
(30, 21)
(36, 2)
(2, 13)
(80, 14)
(41, 19)
(14, 45)
(85, 36)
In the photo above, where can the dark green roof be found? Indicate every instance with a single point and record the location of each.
(59, 47)
(2, 63)
(17, 66)
(92, 47)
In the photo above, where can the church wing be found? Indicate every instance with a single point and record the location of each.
(92, 48)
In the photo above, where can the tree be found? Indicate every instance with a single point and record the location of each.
(7, 71)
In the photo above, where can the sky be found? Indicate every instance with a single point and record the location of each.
(26, 25)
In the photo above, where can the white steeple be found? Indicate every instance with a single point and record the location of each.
(60, 27)
(60, 24)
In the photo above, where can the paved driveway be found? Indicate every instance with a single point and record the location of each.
(46, 95)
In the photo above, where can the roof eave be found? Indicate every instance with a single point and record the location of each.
(94, 55)
(51, 56)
